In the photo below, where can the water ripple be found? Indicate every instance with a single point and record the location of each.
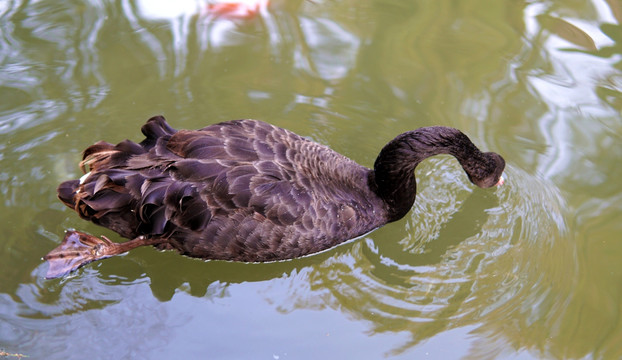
(467, 258)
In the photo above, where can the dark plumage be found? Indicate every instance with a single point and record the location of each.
(246, 190)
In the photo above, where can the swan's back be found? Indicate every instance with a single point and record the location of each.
(238, 190)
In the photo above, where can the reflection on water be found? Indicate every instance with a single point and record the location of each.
(527, 270)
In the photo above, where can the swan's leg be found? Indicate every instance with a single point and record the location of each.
(79, 249)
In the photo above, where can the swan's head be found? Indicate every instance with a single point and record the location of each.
(490, 172)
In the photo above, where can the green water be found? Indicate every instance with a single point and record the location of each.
(528, 271)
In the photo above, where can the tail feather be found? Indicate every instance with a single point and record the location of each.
(122, 189)
(66, 192)
(96, 155)
(103, 155)
(155, 128)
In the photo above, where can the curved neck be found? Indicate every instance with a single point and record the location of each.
(393, 178)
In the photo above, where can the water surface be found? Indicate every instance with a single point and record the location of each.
(527, 271)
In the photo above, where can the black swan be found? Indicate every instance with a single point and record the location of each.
(245, 190)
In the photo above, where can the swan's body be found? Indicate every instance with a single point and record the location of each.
(245, 190)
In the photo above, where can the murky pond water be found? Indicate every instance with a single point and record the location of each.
(530, 270)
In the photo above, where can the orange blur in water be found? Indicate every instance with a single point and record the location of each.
(237, 9)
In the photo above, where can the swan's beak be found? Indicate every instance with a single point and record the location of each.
(500, 182)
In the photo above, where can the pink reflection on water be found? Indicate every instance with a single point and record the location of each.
(241, 9)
